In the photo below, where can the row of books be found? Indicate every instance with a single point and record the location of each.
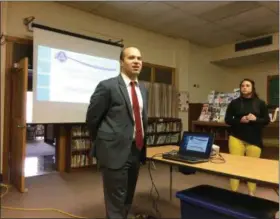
(80, 144)
(216, 106)
(171, 138)
(79, 131)
(81, 160)
(164, 127)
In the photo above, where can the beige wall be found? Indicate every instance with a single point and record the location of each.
(257, 72)
(203, 73)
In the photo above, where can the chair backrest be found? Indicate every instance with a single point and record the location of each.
(275, 116)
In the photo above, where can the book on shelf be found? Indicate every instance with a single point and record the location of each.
(163, 139)
(160, 131)
(163, 131)
(81, 160)
(80, 147)
(80, 144)
(79, 131)
(80, 140)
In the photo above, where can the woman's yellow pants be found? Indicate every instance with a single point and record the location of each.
(241, 148)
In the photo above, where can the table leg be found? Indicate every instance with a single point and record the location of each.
(170, 182)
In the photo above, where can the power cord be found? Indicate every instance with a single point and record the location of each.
(155, 200)
(6, 187)
(217, 158)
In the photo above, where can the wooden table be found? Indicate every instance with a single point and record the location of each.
(241, 167)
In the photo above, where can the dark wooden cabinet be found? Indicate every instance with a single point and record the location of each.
(194, 113)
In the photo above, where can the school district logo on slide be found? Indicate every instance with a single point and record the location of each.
(61, 56)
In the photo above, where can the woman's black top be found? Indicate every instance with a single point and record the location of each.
(251, 132)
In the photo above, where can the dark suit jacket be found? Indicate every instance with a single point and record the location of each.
(111, 124)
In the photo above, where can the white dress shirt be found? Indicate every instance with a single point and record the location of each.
(127, 81)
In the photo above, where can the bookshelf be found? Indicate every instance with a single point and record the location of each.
(79, 148)
(163, 131)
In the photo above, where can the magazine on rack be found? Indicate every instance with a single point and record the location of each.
(215, 108)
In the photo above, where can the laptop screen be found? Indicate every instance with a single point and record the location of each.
(196, 144)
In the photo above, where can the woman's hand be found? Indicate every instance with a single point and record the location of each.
(251, 117)
(244, 119)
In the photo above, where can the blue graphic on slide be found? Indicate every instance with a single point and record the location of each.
(66, 76)
(62, 57)
(196, 143)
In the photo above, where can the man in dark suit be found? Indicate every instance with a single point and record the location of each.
(117, 120)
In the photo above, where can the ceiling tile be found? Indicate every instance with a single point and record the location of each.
(272, 5)
(122, 5)
(233, 21)
(118, 11)
(198, 7)
(193, 21)
(221, 39)
(258, 26)
(215, 38)
(255, 33)
(109, 13)
(83, 5)
(251, 31)
(232, 9)
(182, 26)
(273, 29)
(152, 9)
(147, 13)
(202, 30)
(163, 20)
(182, 21)
(245, 17)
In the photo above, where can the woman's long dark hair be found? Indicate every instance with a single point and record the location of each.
(254, 92)
(255, 96)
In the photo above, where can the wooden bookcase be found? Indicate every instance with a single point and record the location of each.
(161, 131)
(164, 131)
(79, 148)
(194, 113)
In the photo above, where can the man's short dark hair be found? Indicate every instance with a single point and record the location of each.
(123, 52)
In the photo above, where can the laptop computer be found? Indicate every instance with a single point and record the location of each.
(195, 147)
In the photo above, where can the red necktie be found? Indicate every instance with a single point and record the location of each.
(137, 117)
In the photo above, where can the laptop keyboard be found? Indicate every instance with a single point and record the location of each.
(186, 157)
(180, 157)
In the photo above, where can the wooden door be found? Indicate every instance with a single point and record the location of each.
(18, 124)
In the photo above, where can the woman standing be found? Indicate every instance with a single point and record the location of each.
(246, 116)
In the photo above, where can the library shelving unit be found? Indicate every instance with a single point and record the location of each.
(75, 142)
(163, 131)
(78, 148)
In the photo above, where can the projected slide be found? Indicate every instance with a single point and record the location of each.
(198, 144)
(64, 76)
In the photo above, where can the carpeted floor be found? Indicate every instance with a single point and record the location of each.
(81, 193)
